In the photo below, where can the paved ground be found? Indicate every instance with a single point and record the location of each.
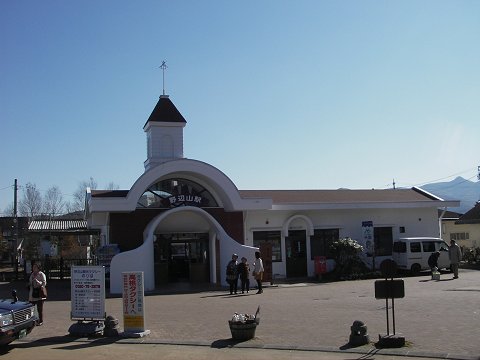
(439, 319)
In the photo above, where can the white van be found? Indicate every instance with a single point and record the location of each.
(413, 253)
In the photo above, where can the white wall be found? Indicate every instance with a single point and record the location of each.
(417, 222)
(473, 231)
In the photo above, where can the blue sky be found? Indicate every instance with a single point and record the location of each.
(276, 94)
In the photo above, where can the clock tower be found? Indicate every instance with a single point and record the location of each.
(164, 129)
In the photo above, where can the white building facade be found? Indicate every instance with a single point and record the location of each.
(183, 218)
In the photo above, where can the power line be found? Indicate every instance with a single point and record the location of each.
(386, 186)
(447, 186)
(443, 178)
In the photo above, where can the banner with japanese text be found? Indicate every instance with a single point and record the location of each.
(88, 292)
(133, 302)
(367, 237)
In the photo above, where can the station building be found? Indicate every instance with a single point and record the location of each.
(183, 218)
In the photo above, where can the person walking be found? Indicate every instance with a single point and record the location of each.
(258, 271)
(244, 272)
(37, 290)
(232, 274)
(455, 255)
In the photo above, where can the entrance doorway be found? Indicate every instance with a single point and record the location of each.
(181, 257)
(296, 251)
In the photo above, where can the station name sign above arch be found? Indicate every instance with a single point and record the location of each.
(175, 192)
(185, 200)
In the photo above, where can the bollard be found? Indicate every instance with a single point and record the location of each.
(111, 327)
(358, 334)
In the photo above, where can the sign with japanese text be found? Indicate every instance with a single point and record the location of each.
(367, 235)
(133, 302)
(185, 199)
(88, 292)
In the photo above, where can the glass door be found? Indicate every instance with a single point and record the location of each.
(296, 253)
(181, 257)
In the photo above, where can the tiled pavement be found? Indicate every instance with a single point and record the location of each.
(438, 318)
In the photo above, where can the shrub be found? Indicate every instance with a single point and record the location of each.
(347, 261)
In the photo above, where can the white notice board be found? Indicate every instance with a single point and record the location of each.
(88, 292)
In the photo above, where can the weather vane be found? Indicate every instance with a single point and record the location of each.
(163, 67)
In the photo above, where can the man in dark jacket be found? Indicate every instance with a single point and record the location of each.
(455, 255)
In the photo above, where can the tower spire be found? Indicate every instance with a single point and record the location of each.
(163, 67)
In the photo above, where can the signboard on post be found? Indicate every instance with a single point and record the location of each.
(88, 293)
(133, 304)
(389, 289)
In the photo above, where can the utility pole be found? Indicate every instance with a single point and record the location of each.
(15, 224)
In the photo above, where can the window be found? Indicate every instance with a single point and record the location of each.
(428, 246)
(415, 247)
(321, 240)
(383, 239)
(270, 237)
(176, 192)
(460, 236)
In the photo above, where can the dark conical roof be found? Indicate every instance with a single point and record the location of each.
(165, 111)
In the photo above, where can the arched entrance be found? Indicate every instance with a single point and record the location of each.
(297, 248)
(184, 241)
(190, 220)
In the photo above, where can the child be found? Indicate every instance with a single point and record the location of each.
(244, 271)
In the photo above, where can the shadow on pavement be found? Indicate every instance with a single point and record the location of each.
(70, 342)
(226, 343)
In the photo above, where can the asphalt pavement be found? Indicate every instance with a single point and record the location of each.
(439, 319)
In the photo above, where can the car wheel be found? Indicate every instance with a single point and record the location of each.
(415, 269)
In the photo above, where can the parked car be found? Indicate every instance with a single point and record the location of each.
(17, 319)
(413, 253)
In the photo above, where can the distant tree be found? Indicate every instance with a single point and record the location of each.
(31, 202)
(79, 194)
(9, 210)
(53, 203)
(69, 208)
(112, 186)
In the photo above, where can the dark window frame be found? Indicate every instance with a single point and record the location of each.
(273, 237)
(383, 240)
(321, 240)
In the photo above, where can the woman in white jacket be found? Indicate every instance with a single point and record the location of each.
(258, 271)
(38, 280)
